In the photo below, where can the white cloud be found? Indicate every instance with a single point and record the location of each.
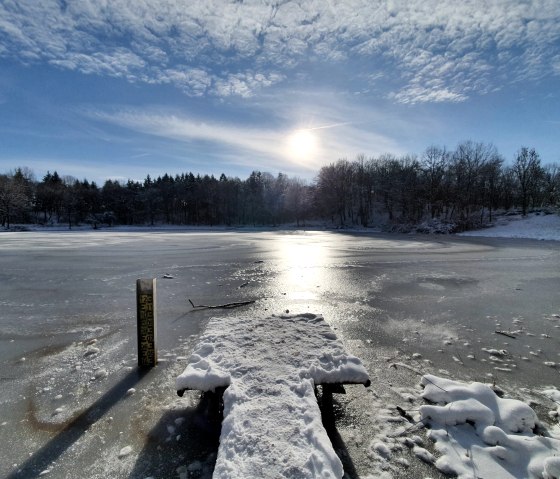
(555, 62)
(418, 94)
(244, 84)
(219, 47)
(260, 142)
(346, 127)
(119, 62)
(342, 128)
(195, 81)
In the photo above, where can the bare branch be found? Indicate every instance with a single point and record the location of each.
(236, 304)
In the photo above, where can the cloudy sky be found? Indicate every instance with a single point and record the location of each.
(122, 88)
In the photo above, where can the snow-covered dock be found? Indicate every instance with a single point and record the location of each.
(272, 423)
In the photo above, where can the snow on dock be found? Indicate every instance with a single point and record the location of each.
(272, 423)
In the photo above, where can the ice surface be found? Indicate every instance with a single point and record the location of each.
(359, 286)
(272, 423)
(475, 430)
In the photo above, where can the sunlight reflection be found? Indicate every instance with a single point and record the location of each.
(302, 267)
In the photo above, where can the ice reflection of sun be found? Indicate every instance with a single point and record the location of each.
(302, 145)
(303, 267)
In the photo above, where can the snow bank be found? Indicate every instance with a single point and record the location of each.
(478, 433)
(542, 227)
(272, 424)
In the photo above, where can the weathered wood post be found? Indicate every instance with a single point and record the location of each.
(146, 322)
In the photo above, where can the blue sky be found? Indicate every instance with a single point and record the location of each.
(121, 89)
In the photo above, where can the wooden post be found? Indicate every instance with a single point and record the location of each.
(146, 322)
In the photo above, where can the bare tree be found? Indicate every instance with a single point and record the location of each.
(527, 169)
(297, 199)
(334, 188)
(386, 187)
(470, 161)
(552, 184)
(364, 188)
(489, 183)
(434, 163)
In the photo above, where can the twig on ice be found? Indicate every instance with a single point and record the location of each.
(434, 384)
(504, 333)
(221, 306)
(405, 414)
(417, 424)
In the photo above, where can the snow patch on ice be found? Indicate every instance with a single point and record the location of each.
(125, 451)
(542, 227)
(475, 430)
(382, 449)
(423, 454)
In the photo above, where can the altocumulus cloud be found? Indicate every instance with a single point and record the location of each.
(436, 51)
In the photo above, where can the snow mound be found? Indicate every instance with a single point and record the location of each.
(542, 227)
(475, 430)
(272, 423)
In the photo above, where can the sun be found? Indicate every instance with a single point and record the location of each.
(302, 145)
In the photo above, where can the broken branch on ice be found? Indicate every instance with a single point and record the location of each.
(222, 306)
(504, 333)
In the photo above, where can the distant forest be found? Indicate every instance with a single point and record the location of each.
(462, 188)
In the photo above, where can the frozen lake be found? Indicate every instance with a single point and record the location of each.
(68, 326)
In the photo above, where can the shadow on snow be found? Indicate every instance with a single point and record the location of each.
(186, 441)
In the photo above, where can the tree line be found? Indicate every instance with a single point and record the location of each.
(462, 187)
